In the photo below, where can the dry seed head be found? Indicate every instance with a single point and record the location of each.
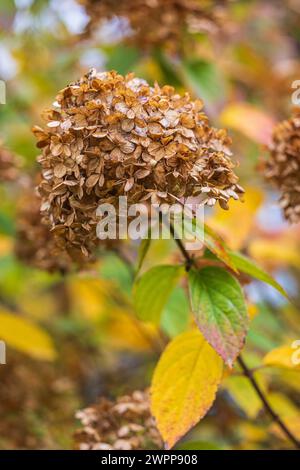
(157, 22)
(124, 424)
(109, 136)
(9, 165)
(283, 167)
(36, 245)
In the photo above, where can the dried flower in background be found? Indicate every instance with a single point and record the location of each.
(109, 136)
(124, 424)
(283, 167)
(158, 22)
(9, 165)
(35, 244)
(32, 395)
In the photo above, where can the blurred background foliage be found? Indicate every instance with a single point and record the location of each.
(73, 338)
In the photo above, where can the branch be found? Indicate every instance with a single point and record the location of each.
(248, 373)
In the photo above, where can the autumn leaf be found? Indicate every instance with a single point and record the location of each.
(278, 252)
(25, 336)
(220, 311)
(125, 332)
(253, 122)
(245, 212)
(142, 253)
(247, 266)
(217, 246)
(184, 385)
(287, 356)
(88, 296)
(153, 289)
(293, 424)
(244, 395)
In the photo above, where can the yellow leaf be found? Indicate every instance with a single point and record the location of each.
(89, 296)
(126, 332)
(283, 405)
(243, 394)
(184, 385)
(287, 356)
(6, 245)
(292, 423)
(25, 336)
(223, 221)
(278, 252)
(250, 121)
(252, 311)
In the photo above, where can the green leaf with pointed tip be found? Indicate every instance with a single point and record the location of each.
(153, 289)
(247, 266)
(220, 311)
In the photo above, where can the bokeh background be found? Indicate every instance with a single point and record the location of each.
(72, 338)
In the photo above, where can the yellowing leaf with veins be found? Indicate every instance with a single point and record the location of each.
(25, 336)
(184, 385)
(240, 216)
(287, 356)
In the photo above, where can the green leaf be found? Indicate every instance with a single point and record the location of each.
(114, 269)
(142, 252)
(198, 445)
(217, 246)
(153, 289)
(247, 266)
(214, 243)
(205, 79)
(123, 59)
(220, 311)
(175, 317)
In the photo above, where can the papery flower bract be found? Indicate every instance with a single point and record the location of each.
(109, 136)
(9, 165)
(157, 22)
(283, 167)
(36, 245)
(124, 424)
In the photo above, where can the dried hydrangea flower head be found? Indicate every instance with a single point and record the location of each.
(124, 424)
(109, 136)
(9, 165)
(35, 244)
(283, 167)
(157, 22)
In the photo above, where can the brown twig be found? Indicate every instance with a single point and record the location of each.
(248, 373)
